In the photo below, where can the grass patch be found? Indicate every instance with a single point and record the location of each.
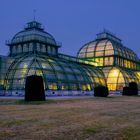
(4, 135)
(79, 118)
(95, 129)
(11, 122)
(131, 133)
(22, 102)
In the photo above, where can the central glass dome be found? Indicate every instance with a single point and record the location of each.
(33, 39)
(33, 31)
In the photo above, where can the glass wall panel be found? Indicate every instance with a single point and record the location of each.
(57, 73)
(19, 49)
(61, 76)
(99, 53)
(38, 47)
(43, 48)
(14, 49)
(31, 47)
(112, 79)
(50, 75)
(90, 54)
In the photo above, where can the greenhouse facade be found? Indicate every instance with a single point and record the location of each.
(119, 63)
(33, 51)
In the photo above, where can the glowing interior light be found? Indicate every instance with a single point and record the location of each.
(25, 66)
(115, 73)
(24, 70)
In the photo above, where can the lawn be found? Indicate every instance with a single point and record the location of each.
(112, 118)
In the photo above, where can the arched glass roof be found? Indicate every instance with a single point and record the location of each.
(33, 31)
(117, 77)
(58, 74)
(105, 46)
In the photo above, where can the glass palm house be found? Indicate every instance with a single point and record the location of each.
(119, 63)
(33, 51)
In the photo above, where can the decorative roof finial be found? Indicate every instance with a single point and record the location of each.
(34, 12)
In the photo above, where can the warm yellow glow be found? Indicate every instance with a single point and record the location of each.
(115, 73)
(39, 72)
(84, 87)
(115, 79)
(62, 87)
(88, 87)
(1, 82)
(53, 87)
(92, 62)
(24, 70)
(25, 66)
(137, 75)
(108, 61)
(99, 61)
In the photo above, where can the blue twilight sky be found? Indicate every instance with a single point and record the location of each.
(73, 22)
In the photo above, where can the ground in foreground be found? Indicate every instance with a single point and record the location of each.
(71, 119)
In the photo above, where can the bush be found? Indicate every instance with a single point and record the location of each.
(34, 89)
(126, 91)
(131, 90)
(101, 91)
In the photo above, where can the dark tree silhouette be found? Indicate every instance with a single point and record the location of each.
(101, 91)
(131, 90)
(34, 89)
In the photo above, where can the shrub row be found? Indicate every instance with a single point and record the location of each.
(101, 91)
(132, 89)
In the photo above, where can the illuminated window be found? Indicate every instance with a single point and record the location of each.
(39, 72)
(99, 53)
(52, 86)
(109, 61)
(90, 54)
(114, 79)
(99, 61)
(90, 49)
(54, 72)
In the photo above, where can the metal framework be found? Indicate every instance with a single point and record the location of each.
(58, 73)
(119, 63)
(34, 51)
